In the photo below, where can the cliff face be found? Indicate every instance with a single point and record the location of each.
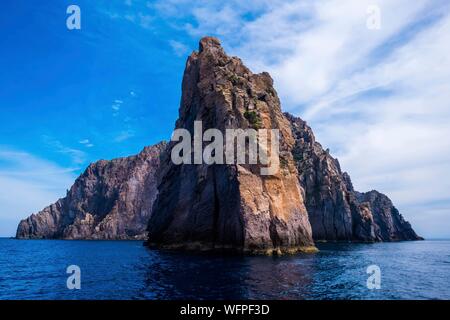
(336, 211)
(230, 205)
(389, 224)
(110, 200)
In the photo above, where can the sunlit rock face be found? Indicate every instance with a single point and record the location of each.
(110, 200)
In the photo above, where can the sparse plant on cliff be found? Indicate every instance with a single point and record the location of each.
(284, 162)
(253, 118)
(234, 79)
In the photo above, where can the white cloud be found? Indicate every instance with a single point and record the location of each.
(28, 184)
(124, 135)
(179, 48)
(86, 143)
(137, 15)
(116, 106)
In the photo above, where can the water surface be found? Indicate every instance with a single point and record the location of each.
(36, 269)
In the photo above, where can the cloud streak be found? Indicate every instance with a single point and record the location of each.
(77, 156)
(124, 135)
(179, 48)
(28, 184)
(86, 143)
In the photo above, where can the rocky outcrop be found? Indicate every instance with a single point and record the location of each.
(389, 224)
(336, 211)
(110, 200)
(229, 206)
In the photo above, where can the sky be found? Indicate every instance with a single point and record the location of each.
(378, 98)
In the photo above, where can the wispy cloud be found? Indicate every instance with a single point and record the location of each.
(86, 143)
(179, 48)
(77, 156)
(28, 184)
(116, 105)
(136, 13)
(124, 135)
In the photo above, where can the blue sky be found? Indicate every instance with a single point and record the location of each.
(378, 99)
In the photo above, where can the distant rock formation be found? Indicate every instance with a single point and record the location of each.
(232, 206)
(110, 200)
(389, 224)
(336, 211)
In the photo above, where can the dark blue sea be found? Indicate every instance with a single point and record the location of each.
(36, 269)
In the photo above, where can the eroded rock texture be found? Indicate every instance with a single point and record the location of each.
(230, 206)
(110, 200)
(336, 211)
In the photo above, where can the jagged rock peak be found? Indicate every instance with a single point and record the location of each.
(209, 43)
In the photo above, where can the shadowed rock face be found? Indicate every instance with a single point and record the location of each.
(229, 206)
(336, 211)
(110, 200)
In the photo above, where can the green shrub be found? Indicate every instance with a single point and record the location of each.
(253, 118)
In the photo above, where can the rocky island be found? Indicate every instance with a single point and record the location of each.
(223, 206)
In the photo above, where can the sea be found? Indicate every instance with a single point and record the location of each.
(72, 270)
